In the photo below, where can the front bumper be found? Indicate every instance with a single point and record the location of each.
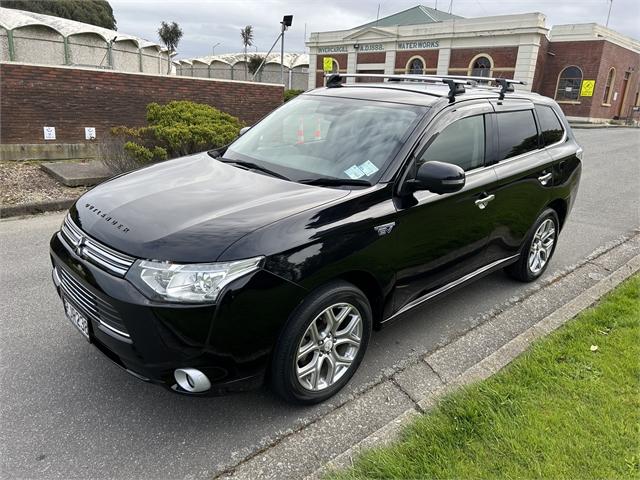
(230, 342)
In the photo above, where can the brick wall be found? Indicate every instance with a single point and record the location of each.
(622, 60)
(503, 57)
(541, 61)
(341, 58)
(429, 56)
(70, 99)
(583, 54)
(371, 57)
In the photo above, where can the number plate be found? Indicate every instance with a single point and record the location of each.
(79, 320)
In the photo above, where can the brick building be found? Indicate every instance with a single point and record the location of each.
(593, 72)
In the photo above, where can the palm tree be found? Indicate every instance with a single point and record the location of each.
(246, 34)
(170, 35)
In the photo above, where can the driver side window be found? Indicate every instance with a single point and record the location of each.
(461, 143)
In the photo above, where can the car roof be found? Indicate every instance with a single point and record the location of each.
(419, 93)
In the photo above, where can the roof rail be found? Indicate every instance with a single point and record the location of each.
(455, 82)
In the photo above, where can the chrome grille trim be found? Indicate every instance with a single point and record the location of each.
(95, 308)
(95, 252)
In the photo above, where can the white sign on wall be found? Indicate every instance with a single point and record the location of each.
(49, 133)
(90, 133)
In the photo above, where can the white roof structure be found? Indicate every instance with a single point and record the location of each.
(291, 60)
(11, 19)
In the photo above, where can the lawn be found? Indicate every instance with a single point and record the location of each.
(567, 408)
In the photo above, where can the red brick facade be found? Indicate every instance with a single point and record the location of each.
(71, 99)
(503, 57)
(594, 58)
(341, 58)
(430, 58)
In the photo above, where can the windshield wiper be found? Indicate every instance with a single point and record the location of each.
(254, 166)
(330, 181)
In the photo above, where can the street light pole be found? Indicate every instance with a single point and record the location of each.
(286, 22)
(213, 49)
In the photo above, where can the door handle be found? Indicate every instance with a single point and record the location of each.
(481, 203)
(544, 179)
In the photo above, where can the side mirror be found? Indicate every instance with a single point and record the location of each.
(439, 177)
(243, 131)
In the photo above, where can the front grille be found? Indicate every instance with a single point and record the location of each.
(93, 251)
(90, 304)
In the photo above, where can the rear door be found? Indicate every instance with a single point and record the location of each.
(524, 173)
(443, 237)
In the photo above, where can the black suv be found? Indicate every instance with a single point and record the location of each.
(275, 257)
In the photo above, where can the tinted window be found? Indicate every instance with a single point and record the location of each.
(517, 133)
(461, 143)
(550, 126)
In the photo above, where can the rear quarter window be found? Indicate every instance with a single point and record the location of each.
(517, 133)
(550, 126)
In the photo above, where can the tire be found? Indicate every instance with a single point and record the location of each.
(310, 378)
(525, 270)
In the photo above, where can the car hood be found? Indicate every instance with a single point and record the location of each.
(190, 209)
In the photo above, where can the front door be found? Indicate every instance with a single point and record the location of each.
(443, 237)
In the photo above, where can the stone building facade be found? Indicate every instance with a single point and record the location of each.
(593, 72)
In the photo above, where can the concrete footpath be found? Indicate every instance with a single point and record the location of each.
(376, 414)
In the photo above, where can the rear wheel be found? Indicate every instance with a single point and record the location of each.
(322, 344)
(538, 249)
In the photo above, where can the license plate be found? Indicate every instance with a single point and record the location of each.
(78, 319)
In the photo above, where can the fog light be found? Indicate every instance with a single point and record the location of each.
(192, 380)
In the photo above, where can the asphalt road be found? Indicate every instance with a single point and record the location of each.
(67, 412)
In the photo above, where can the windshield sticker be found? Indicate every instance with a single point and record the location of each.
(368, 168)
(354, 172)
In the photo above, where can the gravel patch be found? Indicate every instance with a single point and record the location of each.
(24, 183)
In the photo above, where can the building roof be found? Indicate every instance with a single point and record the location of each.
(291, 60)
(11, 19)
(418, 15)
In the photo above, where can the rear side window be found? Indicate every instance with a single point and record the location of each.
(550, 126)
(461, 143)
(517, 133)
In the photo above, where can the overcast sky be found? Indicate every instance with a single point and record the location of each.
(207, 22)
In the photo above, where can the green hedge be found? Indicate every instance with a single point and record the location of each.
(179, 128)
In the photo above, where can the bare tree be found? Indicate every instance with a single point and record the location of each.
(246, 34)
(170, 35)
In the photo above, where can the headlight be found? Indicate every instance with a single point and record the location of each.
(189, 283)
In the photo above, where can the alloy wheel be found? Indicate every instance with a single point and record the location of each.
(329, 346)
(542, 246)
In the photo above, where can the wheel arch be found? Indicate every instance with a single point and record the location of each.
(561, 208)
(370, 286)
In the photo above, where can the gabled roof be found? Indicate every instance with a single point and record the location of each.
(417, 15)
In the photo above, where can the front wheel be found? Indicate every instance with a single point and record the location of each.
(322, 345)
(538, 248)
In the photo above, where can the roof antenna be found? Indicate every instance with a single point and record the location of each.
(378, 15)
(450, 6)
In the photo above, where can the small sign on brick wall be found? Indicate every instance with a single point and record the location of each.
(49, 133)
(90, 133)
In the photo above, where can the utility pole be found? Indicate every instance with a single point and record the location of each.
(609, 14)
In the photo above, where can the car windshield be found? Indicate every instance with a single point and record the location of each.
(316, 137)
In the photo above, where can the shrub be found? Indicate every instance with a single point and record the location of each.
(289, 94)
(178, 128)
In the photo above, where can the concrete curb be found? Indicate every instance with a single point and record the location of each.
(486, 367)
(35, 207)
(375, 416)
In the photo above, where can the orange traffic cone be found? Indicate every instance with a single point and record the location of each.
(317, 133)
(300, 133)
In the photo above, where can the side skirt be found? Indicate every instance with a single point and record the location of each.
(453, 285)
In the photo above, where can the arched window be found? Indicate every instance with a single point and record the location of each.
(481, 66)
(415, 66)
(335, 66)
(569, 83)
(608, 87)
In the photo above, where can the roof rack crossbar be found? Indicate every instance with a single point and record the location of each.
(456, 86)
(455, 82)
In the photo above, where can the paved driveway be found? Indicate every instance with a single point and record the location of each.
(67, 412)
